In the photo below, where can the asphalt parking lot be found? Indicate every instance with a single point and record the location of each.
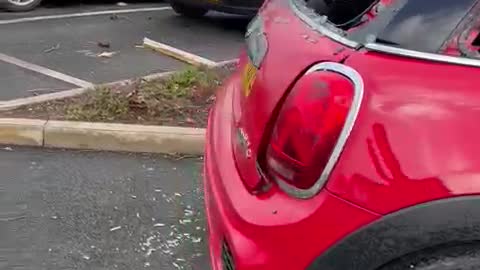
(99, 210)
(65, 40)
(96, 210)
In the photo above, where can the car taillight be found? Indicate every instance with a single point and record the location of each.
(308, 126)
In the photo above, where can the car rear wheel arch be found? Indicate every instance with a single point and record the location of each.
(399, 234)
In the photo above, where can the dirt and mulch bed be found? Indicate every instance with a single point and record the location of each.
(182, 99)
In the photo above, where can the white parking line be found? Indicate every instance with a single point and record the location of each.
(181, 55)
(45, 71)
(83, 14)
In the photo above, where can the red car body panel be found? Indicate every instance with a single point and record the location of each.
(265, 232)
(414, 141)
(416, 137)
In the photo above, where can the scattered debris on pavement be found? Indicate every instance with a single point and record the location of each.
(107, 54)
(53, 48)
(88, 53)
(115, 17)
(115, 228)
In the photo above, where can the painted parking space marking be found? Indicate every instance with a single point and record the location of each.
(82, 14)
(45, 71)
(176, 53)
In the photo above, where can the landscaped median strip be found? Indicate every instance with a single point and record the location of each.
(169, 108)
(102, 136)
(15, 103)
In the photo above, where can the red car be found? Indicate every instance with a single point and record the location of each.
(349, 138)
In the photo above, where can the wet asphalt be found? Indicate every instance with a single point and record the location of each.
(76, 39)
(99, 210)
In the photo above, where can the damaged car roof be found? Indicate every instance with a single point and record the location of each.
(421, 25)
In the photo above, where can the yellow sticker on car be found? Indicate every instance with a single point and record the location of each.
(249, 74)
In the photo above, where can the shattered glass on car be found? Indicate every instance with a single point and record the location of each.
(423, 26)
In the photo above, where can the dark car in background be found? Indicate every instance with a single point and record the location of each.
(198, 8)
(19, 5)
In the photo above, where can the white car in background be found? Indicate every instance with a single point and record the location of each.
(19, 5)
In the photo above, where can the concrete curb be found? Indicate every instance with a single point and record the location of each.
(102, 136)
(21, 131)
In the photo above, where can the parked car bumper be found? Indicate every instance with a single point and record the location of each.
(272, 231)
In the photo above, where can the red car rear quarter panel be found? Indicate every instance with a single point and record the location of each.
(416, 138)
(274, 229)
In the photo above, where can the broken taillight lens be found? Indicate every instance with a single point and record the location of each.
(307, 127)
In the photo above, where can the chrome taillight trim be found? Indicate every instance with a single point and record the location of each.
(358, 87)
(422, 55)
